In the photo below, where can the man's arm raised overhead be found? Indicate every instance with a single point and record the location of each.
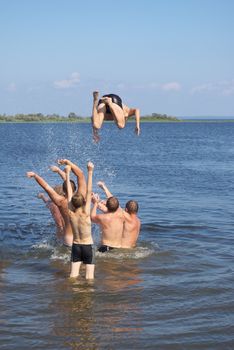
(81, 181)
(56, 198)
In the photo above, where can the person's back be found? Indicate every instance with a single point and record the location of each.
(79, 215)
(131, 226)
(80, 222)
(111, 223)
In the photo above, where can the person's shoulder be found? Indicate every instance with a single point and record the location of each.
(63, 201)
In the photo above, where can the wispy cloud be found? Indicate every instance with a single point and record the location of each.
(171, 86)
(225, 87)
(68, 83)
(11, 87)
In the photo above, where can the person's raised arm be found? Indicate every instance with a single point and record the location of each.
(136, 112)
(81, 181)
(68, 183)
(94, 216)
(56, 198)
(60, 172)
(102, 206)
(90, 168)
(103, 186)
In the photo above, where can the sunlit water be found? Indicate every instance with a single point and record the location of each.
(174, 291)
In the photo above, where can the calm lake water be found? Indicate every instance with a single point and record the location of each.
(174, 291)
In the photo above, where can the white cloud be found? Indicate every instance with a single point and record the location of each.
(68, 83)
(225, 87)
(11, 87)
(172, 86)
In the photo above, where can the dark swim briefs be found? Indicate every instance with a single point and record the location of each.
(115, 99)
(83, 252)
(104, 248)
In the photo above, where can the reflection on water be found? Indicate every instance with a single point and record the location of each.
(92, 314)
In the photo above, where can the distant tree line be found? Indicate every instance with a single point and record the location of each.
(159, 117)
(71, 117)
(39, 117)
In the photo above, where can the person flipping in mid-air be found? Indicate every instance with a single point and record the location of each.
(110, 107)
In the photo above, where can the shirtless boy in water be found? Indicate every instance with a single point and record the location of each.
(111, 223)
(110, 107)
(79, 214)
(132, 224)
(61, 200)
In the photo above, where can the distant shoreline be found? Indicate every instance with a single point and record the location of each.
(74, 118)
(129, 121)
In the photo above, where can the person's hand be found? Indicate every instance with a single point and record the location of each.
(95, 198)
(101, 184)
(90, 166)
(64, 162)
(30, 174)
(137, 130)
(106, 100)
(96, 137)
(67, 169)
(95, 95)
(54, 168)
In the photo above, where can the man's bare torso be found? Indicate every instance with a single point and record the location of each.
(131, 231)
(112, 228)
(81, 226)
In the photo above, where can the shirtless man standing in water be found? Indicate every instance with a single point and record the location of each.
(61, 200)
(111, 223)
(132, 224)
(79, 213)
(110, 107)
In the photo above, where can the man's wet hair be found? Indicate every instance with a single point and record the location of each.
(78, 200)
(59, 189)
(132, 207)
(73, 185)
(112, 204)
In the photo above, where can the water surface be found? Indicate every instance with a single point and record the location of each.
(175, 291)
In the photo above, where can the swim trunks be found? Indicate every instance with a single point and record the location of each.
(115, 99)
(83, 252)
(104, 248)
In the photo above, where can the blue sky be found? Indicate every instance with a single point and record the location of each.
(163, 56)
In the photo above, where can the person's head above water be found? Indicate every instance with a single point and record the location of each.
(65, 186)
(131, 207)
(59, 189)
(112, 204)
(78, 200)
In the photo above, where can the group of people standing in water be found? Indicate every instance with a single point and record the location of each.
(74, 207)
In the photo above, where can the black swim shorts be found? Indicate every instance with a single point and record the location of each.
(115, 99)
(104, 248)
(83, 252)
